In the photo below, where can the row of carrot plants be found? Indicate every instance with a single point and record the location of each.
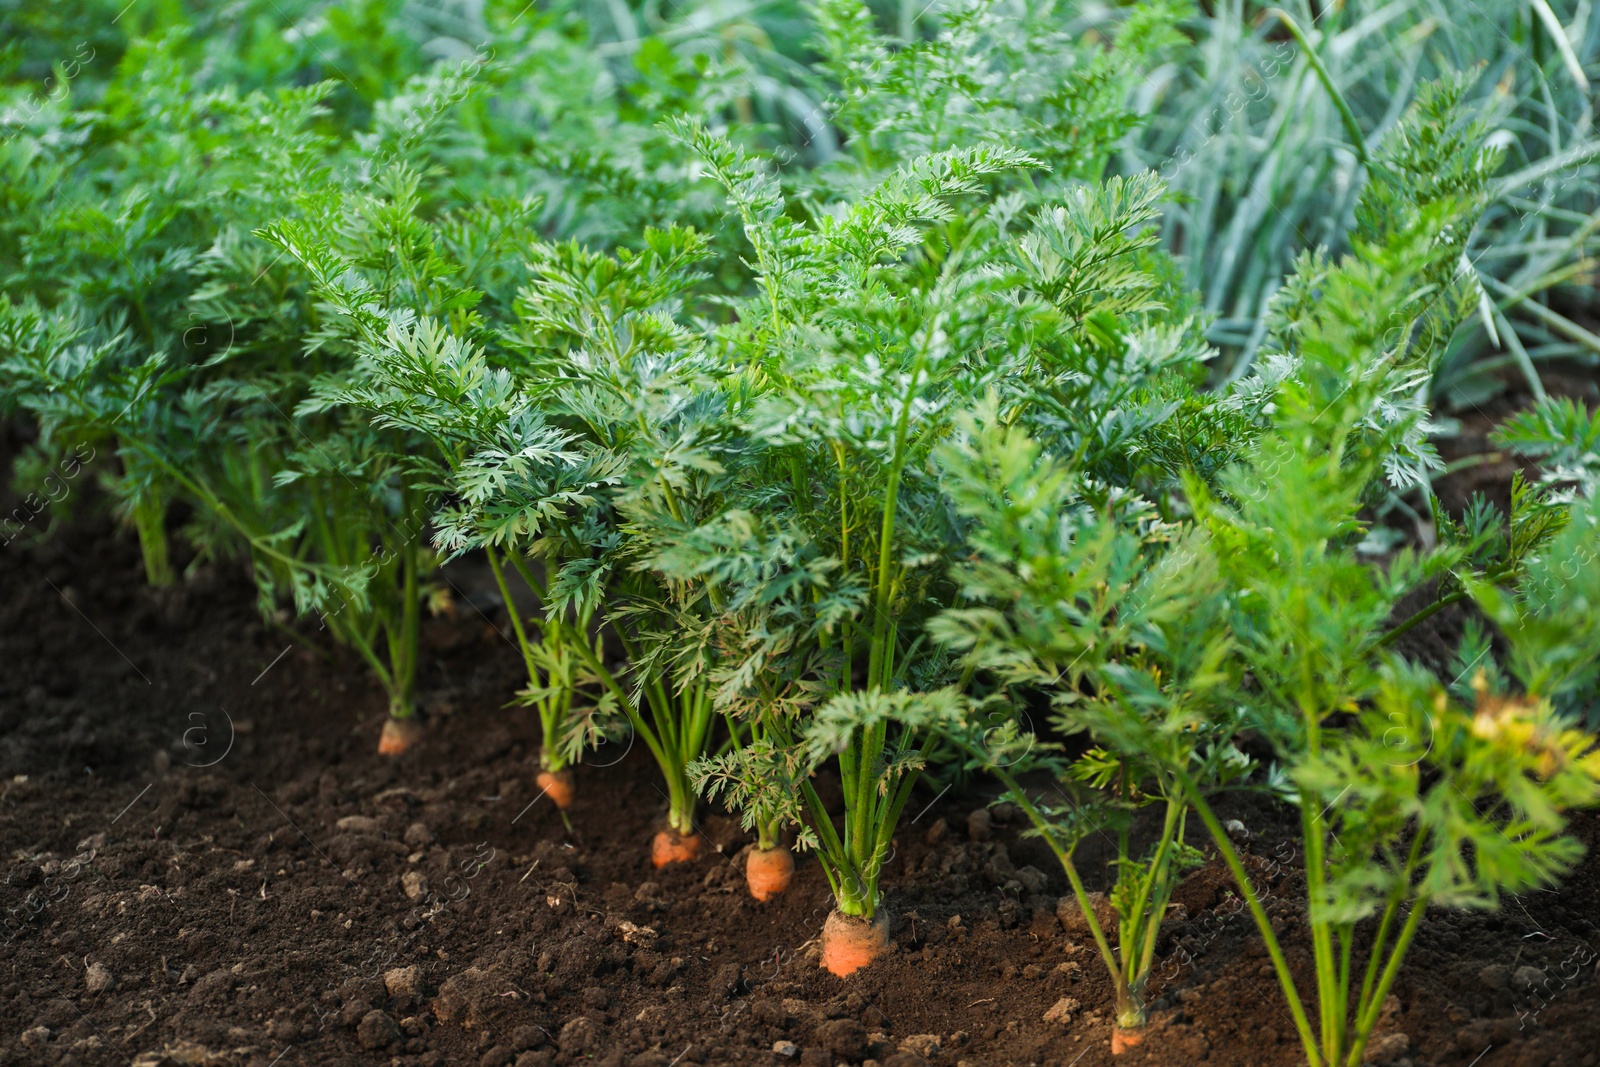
(842, 469)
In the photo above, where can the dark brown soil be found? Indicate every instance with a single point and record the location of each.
(205, 862)
(1492, 476)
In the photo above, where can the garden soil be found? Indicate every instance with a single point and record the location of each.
(206, 862)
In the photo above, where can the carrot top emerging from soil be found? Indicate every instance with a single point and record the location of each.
(559, 786)
(669, 846)
(768, 871)
(399, 735)
(850, 943)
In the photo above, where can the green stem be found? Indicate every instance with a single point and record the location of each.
(1127, 926)
(1321, 939)
(1158, 908)
(1342, 990)
(831, 848)
(216, 505)
(860, 812)
(767, 831)
(698, 715)
(553, 714)
(1064, 857)
(676, 734)
(1346, 116)
(363, 646)
(625, 700)
(1493, 576)
(1313, 837)
(1420, 617)
(1380, 940)
(526, 573)
(516, 617)
(1143, 920)
(149, 514)
(1365, 1024)
(1230, 856)
(880, 659)
(847, 639)
(403, 644)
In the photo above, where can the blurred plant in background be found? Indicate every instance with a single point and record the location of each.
(1264, 164)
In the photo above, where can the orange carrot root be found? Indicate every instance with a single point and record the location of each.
(398, 735)
(559, 787)
(670, 846)
(768, 871)
(850, 943)
(1123, 1040)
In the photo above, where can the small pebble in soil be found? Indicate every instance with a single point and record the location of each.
(98, 979)
(1071, 917)
(377, 1030)
(1062, 1011)
(1495, 976)
(1033, 879)
(577, 1035)
(1526, 978)
(980, 825)
(844, 1038)
(403, 982)
(786, 1049)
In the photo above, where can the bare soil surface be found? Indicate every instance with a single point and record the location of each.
(206, 862)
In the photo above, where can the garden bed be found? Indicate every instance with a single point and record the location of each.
(834, 457)
(240, 898)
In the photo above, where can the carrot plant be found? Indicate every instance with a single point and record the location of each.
(118, 220)
(513, 482)
(532, 463)
(485, 360)
(1162, 636)
(853, 353)
(601, 340)
(204, 380)
(372, 259)
(224, 370)
(820, 553)
(1409, 796)
(1078, 586)
(1111, 615)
